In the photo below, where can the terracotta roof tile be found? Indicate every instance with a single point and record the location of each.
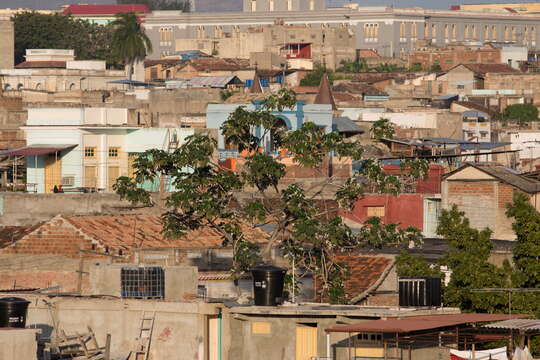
(96, 9)
(364, 272)
(11, 234)
(41, 65)
(133, 231)
(324, 95)
(490, 68)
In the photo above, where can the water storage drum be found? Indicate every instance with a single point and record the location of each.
(268, 285)
(13, 312)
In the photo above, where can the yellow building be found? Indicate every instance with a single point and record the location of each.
(520, 8)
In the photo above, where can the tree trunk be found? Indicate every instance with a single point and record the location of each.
(130, 73)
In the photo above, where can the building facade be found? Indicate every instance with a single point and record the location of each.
(88, 148)
(389, 31)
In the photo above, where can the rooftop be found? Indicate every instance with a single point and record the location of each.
(93, 9)
(483, 69)
(504, 174)
(419, 323)
(217, 64)
(41, 65)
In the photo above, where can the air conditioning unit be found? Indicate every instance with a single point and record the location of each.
(68, 181)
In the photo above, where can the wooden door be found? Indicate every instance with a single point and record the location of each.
(53, 172)
(113, 174)
(213, 342)
(306, 342)
(90, 176)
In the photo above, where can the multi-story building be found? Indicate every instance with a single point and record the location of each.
(57, 70)
(86, 149)
(273, 46)
(389, 31)
(520, 8)
(103, 14)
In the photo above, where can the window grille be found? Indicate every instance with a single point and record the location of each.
(143, 282)
(89, 152)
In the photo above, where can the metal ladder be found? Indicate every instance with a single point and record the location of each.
(145, 336)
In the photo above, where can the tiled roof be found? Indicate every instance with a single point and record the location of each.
(356, 87)
(490, 68)
(506, 175)
(148, 63)
(368, 53)
(475, 106)
(365, 273)
(11, 234)
(133, 231)
(217, 64)
(92, 9)
(41, 65)
(305, 89)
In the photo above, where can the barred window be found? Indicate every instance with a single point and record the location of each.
(89, 152)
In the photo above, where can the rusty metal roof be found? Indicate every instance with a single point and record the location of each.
(419, 323)
(517, 324)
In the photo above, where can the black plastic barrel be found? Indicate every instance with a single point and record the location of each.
(13, 312)
(268, 285)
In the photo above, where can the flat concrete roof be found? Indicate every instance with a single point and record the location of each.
(338, 310)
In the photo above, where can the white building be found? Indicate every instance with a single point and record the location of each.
(86, 149)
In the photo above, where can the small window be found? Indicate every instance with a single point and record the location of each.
(113, 152)
(461, 87)
(89, 152)
(261, 327)
(375, 211)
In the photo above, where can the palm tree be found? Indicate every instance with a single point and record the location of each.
(129, 41)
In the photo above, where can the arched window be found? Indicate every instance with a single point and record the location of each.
(20, 86)
(7, 87)
(38, 86)
(72, 86)
(168, 74)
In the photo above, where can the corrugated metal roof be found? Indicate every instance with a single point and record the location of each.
(343, 124)
(37, 149)
(419, 323)
(516, 324)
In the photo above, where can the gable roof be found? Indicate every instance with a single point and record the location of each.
(366, 273)
(41, 65)
(482, 69)
(505, 175)
(475, 106)
(135, 231)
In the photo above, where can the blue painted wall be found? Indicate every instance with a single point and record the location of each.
(320, 115)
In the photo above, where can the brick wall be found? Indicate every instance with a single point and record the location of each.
(464, 187)
(68, 280)
(56, 237)
(506, 192)
(382, 300)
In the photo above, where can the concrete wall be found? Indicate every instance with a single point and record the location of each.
(20, 344)
(28, 209)
(179, 328)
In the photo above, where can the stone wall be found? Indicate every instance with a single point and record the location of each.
(7, 44)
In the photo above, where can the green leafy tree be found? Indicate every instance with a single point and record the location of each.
(183, 5)
(308, 234)
(521, 113)
(416, 67)
(413, 265)
(129, 41)
(359, 66)
(382, 129)
(436, 66)
(468, 261)
(55, 31)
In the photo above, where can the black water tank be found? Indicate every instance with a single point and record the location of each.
(13, 312)
(419, 291)
(268, 285)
